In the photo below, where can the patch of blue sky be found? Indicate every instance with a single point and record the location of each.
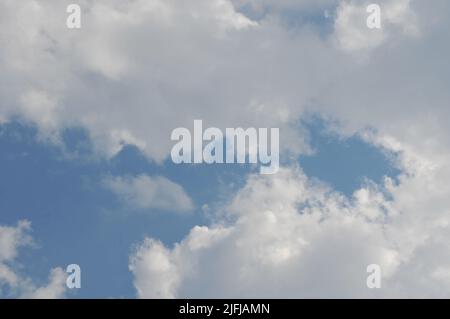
(345, 164)
(319, 18)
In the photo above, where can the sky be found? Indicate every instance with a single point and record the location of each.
(86, 117)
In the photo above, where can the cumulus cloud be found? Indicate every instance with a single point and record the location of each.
(128, 50)
(145, 192)
(139, 69)
(12, 282)
(286, 236)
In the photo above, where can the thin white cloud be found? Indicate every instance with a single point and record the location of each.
(145, 193)
(55, 288)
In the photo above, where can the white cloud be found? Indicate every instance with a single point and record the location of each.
(155, 274)
(14, 282)
(145, 192)
(159, 64)
(137, 70)
(55, 289)
(11, 239)
(286, 236)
